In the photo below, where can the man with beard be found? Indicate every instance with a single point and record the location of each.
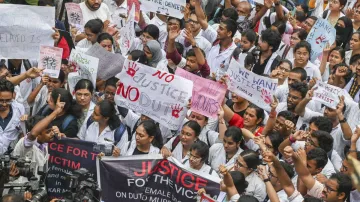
(92, 9)
(10, 113)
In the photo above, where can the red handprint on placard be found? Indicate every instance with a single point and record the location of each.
(176, 110)
(132, 68)
(320, 39)
(266, 96)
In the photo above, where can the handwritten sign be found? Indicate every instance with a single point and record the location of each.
(136, 3)
(50, 60)
(86, 66)
(159, 95)
(74, 14)
(207, 95)
(164, 7)
(256, 89)
(321, 34)
(327, 94)
(23, 29)
(110, 64)
(127, 33)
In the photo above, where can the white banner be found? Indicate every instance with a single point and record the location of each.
(327, 94)
(159, 95)
(127, 33)
(50, 60)
(164, 7)
(86, 66)
(74, 15)
(23, 29)
(256, 89)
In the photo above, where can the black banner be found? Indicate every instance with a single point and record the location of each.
(151, 178)
(66, 156)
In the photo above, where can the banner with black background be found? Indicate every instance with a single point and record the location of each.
(151, 178)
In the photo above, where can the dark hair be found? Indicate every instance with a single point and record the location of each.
(202, 149)
(180, 48)
(308, 198)
(322, 123)
(301, 33)
(139, 56)
(108, 110)
(340, 50)
(303, 44)
(152, 30)
(271, 37)
(301, 71)
(251, 158)
(280, 26)
(285, 61)
(152, 129)
(313, 18)
(325, 140)
(230, 26)
(288, 115)
(32, 121)
(105, 36)
(300, 87)
(235, 133)
(61, 76)
(289, 169)
(250, 35)
(247, 198)
(300, 16)
(239, 181)
(342, 2)
(84, 84)
(354, 59)
(181, 23)
(230, 13)
(318, 155)
(194, 126)
(95, 25)
(12, 198)
(111, 81)
(71, 106)
(6, 85)
(344, 183)
(276, 139)
(260, 114)
(191, 53)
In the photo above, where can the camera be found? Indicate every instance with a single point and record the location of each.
(107, 149)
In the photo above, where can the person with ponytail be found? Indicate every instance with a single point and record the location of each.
(148, 140)
(101, 126)
(66, 121)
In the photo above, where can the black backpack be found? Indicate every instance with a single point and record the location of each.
(119, 131)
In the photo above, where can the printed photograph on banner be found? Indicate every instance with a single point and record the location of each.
(327, 94)
(165, 7)
(50, 60)
(207, 95)
(127, 33)
(86, 66)
(74, 15)
(257, 89)
(109, 64)
(159, 95)
(152, 178)
(321, 33)
(24, 29)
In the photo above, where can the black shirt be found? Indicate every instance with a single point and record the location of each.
(259, 68)
(230, 104)
(136, 152)
(4, 122)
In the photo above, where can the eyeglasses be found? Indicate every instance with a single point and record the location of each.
(310, 141)
(195, 158)
(328, 189)
(239, 165)
(283, 69)
(192, 21)
(8, 102)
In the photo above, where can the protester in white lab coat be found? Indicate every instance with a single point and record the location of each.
(148, 140)
(84, 90)
(179, 146)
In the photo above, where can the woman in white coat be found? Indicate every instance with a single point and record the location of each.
(148, 140)
(179, 146)
(83, 92)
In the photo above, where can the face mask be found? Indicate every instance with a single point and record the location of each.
(240, 19)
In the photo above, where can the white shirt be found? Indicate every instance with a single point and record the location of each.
(103, 13)
(325, 76)
(256, 187)
(116, 11)
(177, 153)
(129, 152)
(319, 8)
(339, 141)
(201, 42)
(162, 28)
(282, 196)
(208, 136)
(205, 169)
(217, 157)
(281, 93)
(237, 33)
(311, 70)
(13, 128)
(348, 56)
(84, 44)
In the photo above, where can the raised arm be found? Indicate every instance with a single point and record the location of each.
(200, 15)
(272, 117)
(31, 73)
(263, 10)
(300, 108)
(345, 128)
(222, 125)
(37, 89)
(228, 181)
(279, 10)
(273, 197)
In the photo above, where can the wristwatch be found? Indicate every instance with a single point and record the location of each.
(267, 180)
(343, 121)
(194, 46)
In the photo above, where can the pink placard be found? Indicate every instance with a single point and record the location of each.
(74, 14)
(50, 60)
(207, 95)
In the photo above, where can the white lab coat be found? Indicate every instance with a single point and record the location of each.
(128, 151)
(217, 157)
